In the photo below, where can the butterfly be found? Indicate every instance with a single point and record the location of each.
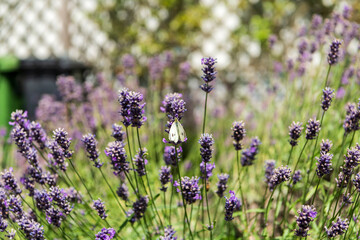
(177, 132)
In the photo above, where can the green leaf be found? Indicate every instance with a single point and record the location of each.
(122, 225)
(256, 210)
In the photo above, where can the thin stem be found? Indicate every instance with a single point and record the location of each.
(288, 161)
(171, 198)
(148, 182)
(327, 76)
(240, 188)
(204, 118)
(82, 181)
(340, 153)
(132, 162)
(207, 202)
(302, 150)
(184, 203)
(317, 186)
(276, 208)
(351, 213)
(268, 205)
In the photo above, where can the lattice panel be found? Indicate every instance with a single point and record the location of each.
(36, 29)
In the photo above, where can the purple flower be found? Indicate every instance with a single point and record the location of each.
(123, 192)
(140, 162)
(139, 208)
(90, 147)
(272, 40)
(99, 206)
(19, 117)
(4, 205)
(269, 169)
(337, 228)
(169, 234)
(280, 175)
(54, 216)
(174, 107)
(222, 184)
(15, 206)
(295, 130)
(334, 52)
(57, 155)
(61, 137)
(356, 182)
(29, 184)
(69, 90)
(42, 199)
(324, 164)
(11, 234)
(132, 110)
(346, 199)
(117, 132)
(297, 177)
(325, 145)
(346, 12)
(209, 168)
(306, 216)
(249, 154)
(342, 180)
(232, 205)
(238, 134)
(351, 122)
(352, 158)
(190, 189)
(31, 228)
(73, 196)
(316, 21)
(209, 73)
(117, 155)
(165, 177)
(328, 95)
(312, 129)
(302, 47)
(10, 182)
(206, 142)
(38, 134)
(59, 196)
(105, 234)
(170, 156)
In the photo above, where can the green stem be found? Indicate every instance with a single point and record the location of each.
(317, 186)
(204, 118)
(302, 150)
(132, 162)
(351, 213)
(267, 209)
(327, 76)
(82, 181)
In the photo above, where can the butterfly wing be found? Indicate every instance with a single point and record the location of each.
(181, 132)
(173, 133)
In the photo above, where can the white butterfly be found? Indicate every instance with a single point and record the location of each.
(177, 132)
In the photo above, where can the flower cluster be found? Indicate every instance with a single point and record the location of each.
(117, 155)
(209, 73)
(249, 154)
(31, 228)
(61, 137)
(123, 192)
(324, 164)
(170, 156)
(117, 132)
(139, 208)
(351, 122)
(169, 234)
(328, 95)
(99, 206)
(165, 177)
(238, 134)
(9, 181)
(105, 234)
(206, 173)
(140, 162)
(356, 182)
(295, 130)
(57, 156)
(69, 90)
(279, 175)
(91, 149)
(296, 177)
(306, 216)
(325, 146)
(222, 184)
(337, 228)
(232, 205)
(174, 107)
(190, 189)
(334, 52)
(312, 129)
(132, 110)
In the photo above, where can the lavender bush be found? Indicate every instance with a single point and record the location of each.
(99, 164)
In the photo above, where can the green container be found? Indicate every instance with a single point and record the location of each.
(8, 98)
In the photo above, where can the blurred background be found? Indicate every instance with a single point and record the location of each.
(42, 39)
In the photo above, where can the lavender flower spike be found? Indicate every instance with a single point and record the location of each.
(209, 73)
(306, 216)
(174, 107)
(132, 110)
(139, 208)
(206, 142)
(165, 177)
(232, 205)
(100, 208)
(238, 134)
(9, 181)
(140, 161)
(324, 164)
(169, 233)
(249, 154)
(312, 129)
(105, 234)
(117, 155)
(31, 228)
(280, 175)
(269, 169)
(334, 52)
(117, 132)
(90, 147)
(295, 130)
(61, 137)
(356, 182)
(325, 145)
(337, 228)
(190, 189)
(123, 192)
(328, 95)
